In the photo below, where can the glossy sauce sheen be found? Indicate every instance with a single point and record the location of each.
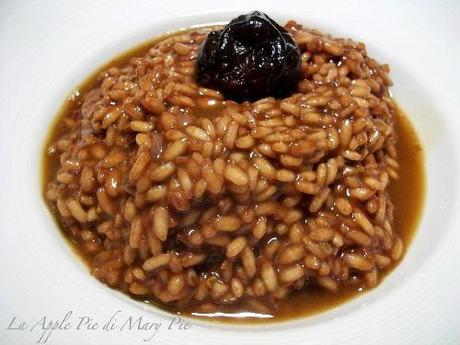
(407, 194)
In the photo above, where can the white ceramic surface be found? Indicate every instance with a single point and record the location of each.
(48, 47)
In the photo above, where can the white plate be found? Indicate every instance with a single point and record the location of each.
(49, 47)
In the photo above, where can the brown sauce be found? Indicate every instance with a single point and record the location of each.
(407, 194)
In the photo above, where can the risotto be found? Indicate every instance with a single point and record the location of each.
(180, 196)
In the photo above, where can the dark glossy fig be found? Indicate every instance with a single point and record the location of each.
(250, 58)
